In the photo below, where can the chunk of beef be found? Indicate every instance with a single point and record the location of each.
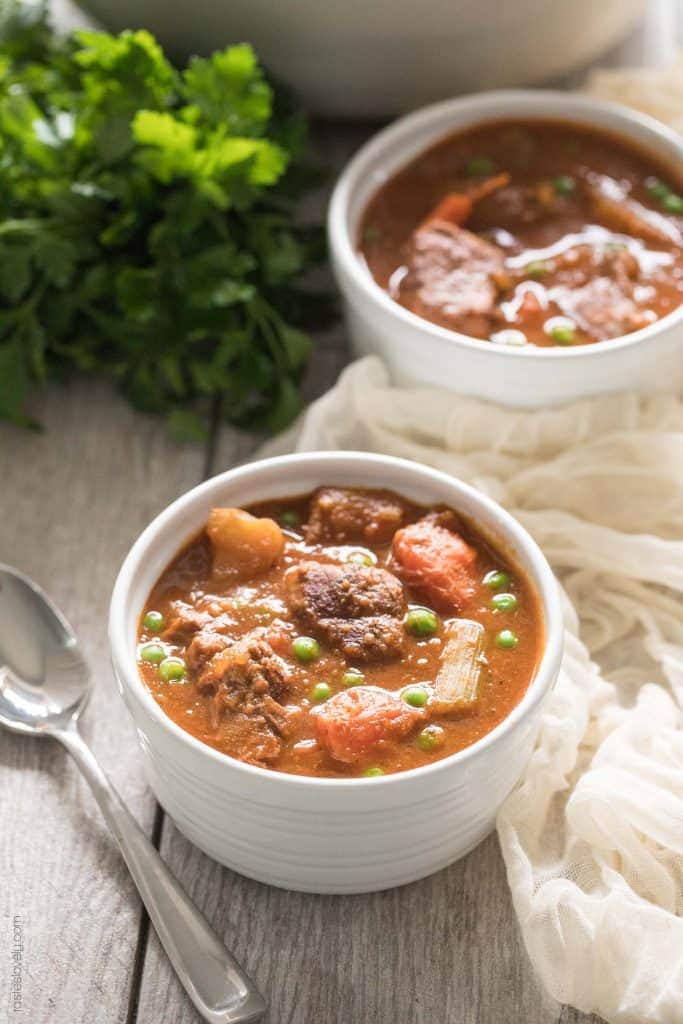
(248, 737)
(184, 622)
(248, 681)
(248, 668)
(451, 278)
(362, 720)
(203, 646)
(344, 517)
(603, 307)
(436, 562)
(353, 608)
(374, 638)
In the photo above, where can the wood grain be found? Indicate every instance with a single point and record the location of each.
(72, 501)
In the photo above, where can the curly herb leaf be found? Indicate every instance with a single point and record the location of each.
(147, 226)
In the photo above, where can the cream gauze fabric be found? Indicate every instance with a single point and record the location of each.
(593, 834)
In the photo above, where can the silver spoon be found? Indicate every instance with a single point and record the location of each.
(44, 686)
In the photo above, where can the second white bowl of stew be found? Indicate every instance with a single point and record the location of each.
(336, 664)
(526, 247)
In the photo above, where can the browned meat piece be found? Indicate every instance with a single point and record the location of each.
(247, 737)
(354, 608)
(451, 276)
(375, 638)
(316, 590)
(352, 517)
(203, 646)
(248, 668)
(515, 206)
(248, 681)
(601, 308)
(184, 623)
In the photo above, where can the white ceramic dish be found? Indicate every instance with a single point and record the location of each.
(327, 835)
(416, 350)
(359, 59)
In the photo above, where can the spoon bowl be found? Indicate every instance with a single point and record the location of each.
(44, 678)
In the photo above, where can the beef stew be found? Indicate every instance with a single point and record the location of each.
(530, 232)
(341, 634)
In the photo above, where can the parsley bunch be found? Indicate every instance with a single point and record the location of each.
(147, 225)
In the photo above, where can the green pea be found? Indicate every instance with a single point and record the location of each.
(564, 185)
(504, 602)
(496, 579)
(673, 203)
(421, 622)
(290, 518)
(321, 692)
(537, 268)
(478, 166)
(154, 622)
(360, 557)
(306, 648)
(507, 639)
(658, 190)
(430, 737)
(371, 234)
(416, 696)
(154, 653)
(372, 773)
(353, 677)
(172, 669)
(563, 334)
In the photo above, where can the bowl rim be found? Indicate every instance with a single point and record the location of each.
(123, 653)
(494, 105)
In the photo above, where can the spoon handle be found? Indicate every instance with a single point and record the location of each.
(214, 981)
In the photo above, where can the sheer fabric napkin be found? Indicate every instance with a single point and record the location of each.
(593, 835)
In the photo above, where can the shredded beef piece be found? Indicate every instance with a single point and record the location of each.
(184, 623)
(248, 680)
(203, 646)
(248, 667)
(343, 516)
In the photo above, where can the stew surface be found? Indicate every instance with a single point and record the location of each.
(534, 232)
(343, 633)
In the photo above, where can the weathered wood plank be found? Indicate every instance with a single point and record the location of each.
(72, 500)
(444, 949)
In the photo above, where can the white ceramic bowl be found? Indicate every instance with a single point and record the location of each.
(327, 835)
(374, 59)
(417, 350)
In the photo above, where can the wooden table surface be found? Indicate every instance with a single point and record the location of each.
(446, 949)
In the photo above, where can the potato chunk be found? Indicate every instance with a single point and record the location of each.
(243, 545)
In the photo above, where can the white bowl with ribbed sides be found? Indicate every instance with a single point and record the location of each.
(414, 349)
(328, 835)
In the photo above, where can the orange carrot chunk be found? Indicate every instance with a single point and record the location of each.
(456, 207)
(435, 562)
(357, 721)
